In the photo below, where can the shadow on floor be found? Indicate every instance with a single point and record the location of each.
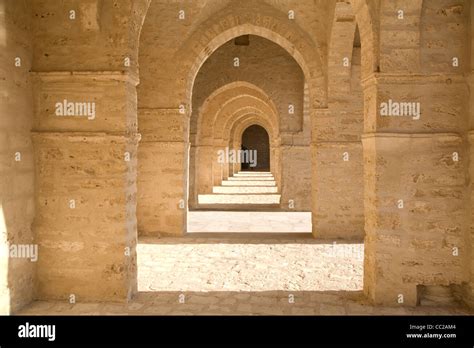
(244, 238)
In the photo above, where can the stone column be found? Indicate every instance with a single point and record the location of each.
(86, 167)
(162, 179)
(469, 286)
(275, 162)
(217, 168)
(204, 169)
(192, 196)
(295, 160)
(415, 183)
(337, 184)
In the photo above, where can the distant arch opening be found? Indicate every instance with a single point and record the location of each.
(256, 149)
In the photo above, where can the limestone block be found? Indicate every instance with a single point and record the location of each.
(162, 200)
(337, 190)
(424, 104)
(99, 102)
(419, 198)
(85, 215)
(296, 178)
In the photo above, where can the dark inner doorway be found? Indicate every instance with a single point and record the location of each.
(255, 138)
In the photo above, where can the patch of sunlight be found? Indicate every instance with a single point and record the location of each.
(219, 264)
(3, 25)
(4, 288)
(249, 222)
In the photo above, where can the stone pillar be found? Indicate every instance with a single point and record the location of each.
(295, 157)
(162, 179)
(295, 178)
(204, 169)
(226, 167)
(192, 196)
(415, 183)
(275, 163)
(337, 192)
(17, 208)
(86, 169)
(337, 176)
(469, 286)
(238, 165)
(217, 168)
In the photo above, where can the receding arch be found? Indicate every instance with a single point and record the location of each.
(222, 114)
(340, 49)
(215, 110)
(367, 17)
(244, 118)
(304, 50)
(199, 43)
(241, 102)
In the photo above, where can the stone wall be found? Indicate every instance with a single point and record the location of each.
(17, 208)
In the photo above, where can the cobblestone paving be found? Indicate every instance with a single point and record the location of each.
(232, 276)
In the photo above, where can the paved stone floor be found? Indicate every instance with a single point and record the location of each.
(249, 264)
(250, 275)
(249, 221)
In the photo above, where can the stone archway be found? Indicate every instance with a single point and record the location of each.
(176, 107)
(223, 114)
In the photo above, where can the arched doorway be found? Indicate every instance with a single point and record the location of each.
(218, 108)
(255, 149)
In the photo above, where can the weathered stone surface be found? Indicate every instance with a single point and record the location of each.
(415, 213)
(17, 208)
(403, 182)
(86, 215)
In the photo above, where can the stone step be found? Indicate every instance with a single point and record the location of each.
(247, 199)
(244, 189)
(253, 178)
(252, 174)
(248, 183)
